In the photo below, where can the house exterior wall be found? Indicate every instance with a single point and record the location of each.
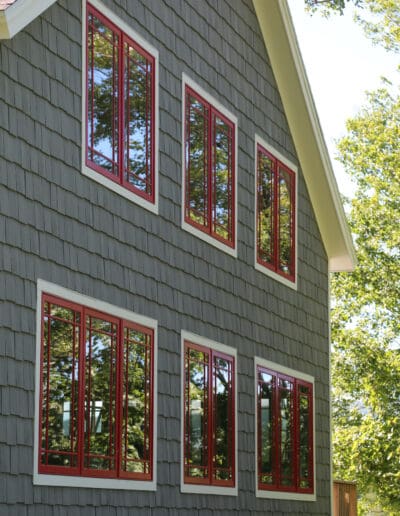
(60, 226)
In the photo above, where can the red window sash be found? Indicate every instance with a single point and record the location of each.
(231, 420)
(124, 40)
(274, 265)
(276, 484)
(309, 387)
(50, 468)
(210, 387)
(210, 150)
(149, 397)
(80, 469)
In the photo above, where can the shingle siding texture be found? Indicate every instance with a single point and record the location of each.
(58, 225)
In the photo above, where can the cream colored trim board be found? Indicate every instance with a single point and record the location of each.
(289, 71)
(19, 15)
(44, 286)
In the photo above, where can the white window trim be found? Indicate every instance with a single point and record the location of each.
(87, 171)
(78, 481)
(222, 348)
(292, 166)
(281, 495)
(187, 81)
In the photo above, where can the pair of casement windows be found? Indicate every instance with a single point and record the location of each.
(97, 406)
(121, 147)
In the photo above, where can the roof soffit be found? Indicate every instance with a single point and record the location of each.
(281, 43)
(17, 15)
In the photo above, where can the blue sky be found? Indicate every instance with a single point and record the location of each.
(341, 65)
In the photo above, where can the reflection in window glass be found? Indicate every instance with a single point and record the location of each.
(103, 105)
(285, 433)
(104, 426)
(265, 200)
(120, 107)
(286, 430)
(209, 417)
(59, 429)
(197, 162)
(197, 416)
(223, 429)
(285, 221)
(222, 178)
(305, 450)
(136, 402)
(100, 390)
(138, 102)
(265, 430)
(275, 215)
(209, 169)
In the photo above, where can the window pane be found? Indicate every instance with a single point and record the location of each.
(222, 179)
(266, 432)
(304, 437)
(102, 127)
(196, 155)
(100, 394)
(196, 414)
(61, 332)
(265, 200)
(138, 113)
(223, 416)
(136, 402)
(285, 222)
(286, 432)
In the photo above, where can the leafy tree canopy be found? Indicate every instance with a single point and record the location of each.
(379, 18)
(366, 308)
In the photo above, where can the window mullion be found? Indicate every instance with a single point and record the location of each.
(276, 225)
(121, 111)
(210, 170)
(296, 434)
(81, 392)
(48, 385)
(187, 154)
(120, 349)
(211, 416)
(278, 434)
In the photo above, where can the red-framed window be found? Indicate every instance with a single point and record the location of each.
(120, 107)
(209, 416)
(276, 215)
(209, 169)
(285, 432)
(96, 393)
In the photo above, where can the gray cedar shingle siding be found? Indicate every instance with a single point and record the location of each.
(58, 225)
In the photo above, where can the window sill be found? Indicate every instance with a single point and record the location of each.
(120, 190)
(95, 483)
(209, 239)
(276, 276)
(207, 489)
(284, 495)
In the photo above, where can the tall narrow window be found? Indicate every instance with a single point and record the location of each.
(209, 169)
(276, 194)
(96, 394)
(209, 417)
(120, 106)
(285, 432)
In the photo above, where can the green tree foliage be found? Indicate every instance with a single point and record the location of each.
(379, 18)
(366, 308)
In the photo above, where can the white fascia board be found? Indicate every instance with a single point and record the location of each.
(18, 15)
(289, 71)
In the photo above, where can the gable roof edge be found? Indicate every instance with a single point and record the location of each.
(18, 15)
(283, 50)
